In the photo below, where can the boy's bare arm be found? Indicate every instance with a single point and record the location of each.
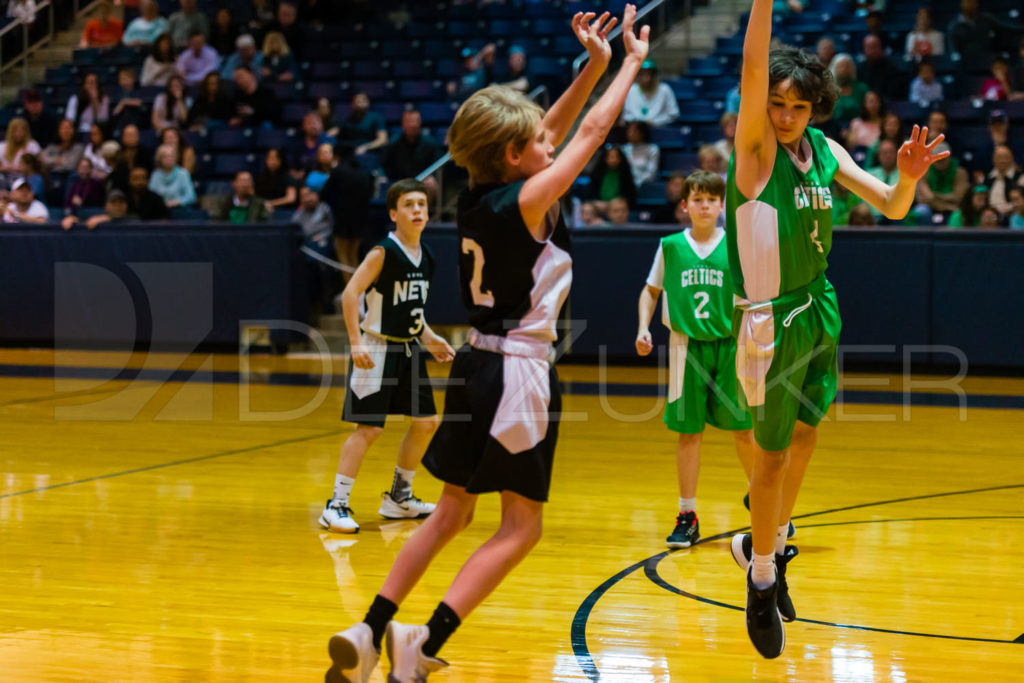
(645, 309)
(593, 35)
(753, 127)
(361, 280)
(543, 189)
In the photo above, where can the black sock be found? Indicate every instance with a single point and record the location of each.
(377, 617)
(442, 625)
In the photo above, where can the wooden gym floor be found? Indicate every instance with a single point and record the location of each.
(159, 524)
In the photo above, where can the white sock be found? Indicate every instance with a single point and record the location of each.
(401, 485)
(687, 504)
(763, 573)
(342, 487)
(780, 539)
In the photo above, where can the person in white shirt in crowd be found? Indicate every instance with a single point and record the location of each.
(89, 105)
(23, 207)
(145, 28)
(728, 125)
(643, 156)
(197, 60)
(924, 41)
(1003, 176)
(925, 90)
(649, 99)
(18, 141)
(23, 10)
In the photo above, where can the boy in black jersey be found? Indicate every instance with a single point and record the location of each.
(502, 404)
(388, 373)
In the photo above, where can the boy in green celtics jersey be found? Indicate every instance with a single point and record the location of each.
(388, 373)
(779, 232)
(692, 269)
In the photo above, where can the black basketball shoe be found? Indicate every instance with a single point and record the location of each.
(786, 609)
(792, 529)
(687, 531)
(764, 625)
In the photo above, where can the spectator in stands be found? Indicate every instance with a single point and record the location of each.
(363, 127)
(115, 211)
(34, 172)
(89, 105)
(316, 220)
(842, 202)
(224, 32)
(104, 31)
(886, 170)
(998, 134)
(243, 205)
(969, 213)
(666, 213)
(874, 21)
(892, 129)
(22, 206)
(304, 149)
(851, 90)
(644, 156)
(133, 154)
(925, 89)
(1001, 178)
(22, 10)
(477, 67)
(279, 66)
(160, 65)
(1015, 221)
(784, 7)
(944, 186)
(989, 218)
(147, 27)
(197, 60)
(63, 154)
(325, 110)
(322, 167)
(213, 108)
(186, 22)
(618, 211)
(18, 141)
(184, 153)
(590, 216)
(649, 99)
(411, 151)
(85, 190)
(275, 184)
(92, 151)
(254, 105)
(1017, 80)
(826, 50)
(710, 159)
(724, 144)
(938, 123)
(143, 203)
(41, 122)
(866, 128)
(924, 41)
(879, 73)
(517, 77)
(170, 108)
(128, 109)
(245, 55)
(974, 35)
(169, 180)
(261, 15)
(612, 177)
(861, 215)
(997, 87)
(349, 190)
(287, 25)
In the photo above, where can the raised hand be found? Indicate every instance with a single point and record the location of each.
(593, 35)
(915, 156)
(636, 46)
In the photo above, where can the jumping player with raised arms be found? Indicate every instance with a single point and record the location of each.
(786, 321)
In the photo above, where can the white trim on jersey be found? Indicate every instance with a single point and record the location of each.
(705, 249)
(677, 348)
(755, 348)
(374, 301)
(757, 241)
(521, 420)
(552, 278)
(656, 277)
(805, 147)
(415, 261)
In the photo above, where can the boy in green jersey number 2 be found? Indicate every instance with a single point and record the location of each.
(692, 269)
(779, 233)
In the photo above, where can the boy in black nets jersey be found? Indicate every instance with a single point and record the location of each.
(502, 405)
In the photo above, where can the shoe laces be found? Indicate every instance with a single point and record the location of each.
(688, 518)
(343, 510)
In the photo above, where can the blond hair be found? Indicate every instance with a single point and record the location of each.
(276, 36)
(486, 123)
(11, 148)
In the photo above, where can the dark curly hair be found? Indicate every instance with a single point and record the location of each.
(809, 76)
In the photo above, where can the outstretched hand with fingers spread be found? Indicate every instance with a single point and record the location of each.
(636, 46)
(593, 35)
(915, 156)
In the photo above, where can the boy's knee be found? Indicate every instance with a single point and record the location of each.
(368, 433)
(426, 425)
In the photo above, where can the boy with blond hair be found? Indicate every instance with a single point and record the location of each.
(502, 407)
(691, 268)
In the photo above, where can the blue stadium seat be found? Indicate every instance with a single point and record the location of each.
(330, 90)
(419, 90)
(322, 71)
(265, 138)
(412, 68)
(371, 69)
(375, 90)
(699, 111)
(671, 137)
(292, 112)
(679, 161)
(437, 113)
(651, 192)
(391, 111)
(230, 164)
(222, 139)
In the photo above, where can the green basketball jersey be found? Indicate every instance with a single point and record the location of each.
(698, 291)
(780, 241)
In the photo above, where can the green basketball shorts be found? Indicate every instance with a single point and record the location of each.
(702, 385)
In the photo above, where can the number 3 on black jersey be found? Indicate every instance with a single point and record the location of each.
(480, 297)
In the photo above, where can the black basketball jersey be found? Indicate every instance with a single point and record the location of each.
(395, 300)
(512, 285)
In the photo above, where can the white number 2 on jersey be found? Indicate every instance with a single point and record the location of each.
(703, 298)
(480, 297)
